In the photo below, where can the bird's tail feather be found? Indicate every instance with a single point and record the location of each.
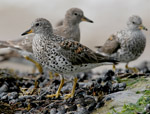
(106, 58)
(110, 60)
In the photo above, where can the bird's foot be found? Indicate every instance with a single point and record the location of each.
(29, 91)
(67, 96)
(26, 91)
(54, 95)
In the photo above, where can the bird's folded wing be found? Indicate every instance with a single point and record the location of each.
(78, 54)
(110, 46)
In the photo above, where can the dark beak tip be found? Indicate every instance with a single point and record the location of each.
(91, 21)
(22, 34)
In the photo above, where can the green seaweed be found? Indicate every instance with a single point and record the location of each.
(136, 108)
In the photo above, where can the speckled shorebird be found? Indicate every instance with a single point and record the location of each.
(69, 29)
(61, 55)
(126, 45)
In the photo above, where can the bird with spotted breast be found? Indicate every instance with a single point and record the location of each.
(61, 55)
(69, 29)
(126, 45)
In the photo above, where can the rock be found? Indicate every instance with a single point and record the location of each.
(99, 80)
(4, 88)
(91, 106)
(12, 95)
(122, 85)
(53, 111)
(61, 110)
(82, 110)
(2, 94)
(46, 112)
(13, 101)
(147, 108)
(108, 75)
(118, 100)
(5, 97)
(72, 107)
(115, 87)
(99, 104)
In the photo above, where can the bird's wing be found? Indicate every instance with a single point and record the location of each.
(110, 46)
(79, 54)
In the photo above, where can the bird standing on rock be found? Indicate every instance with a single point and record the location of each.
(61, 55)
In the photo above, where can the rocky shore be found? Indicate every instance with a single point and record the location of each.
(93, 91)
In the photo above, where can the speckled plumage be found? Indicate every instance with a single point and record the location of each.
(126, 45)
(61, 55)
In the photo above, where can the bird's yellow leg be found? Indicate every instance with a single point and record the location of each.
(36, 64)
(134, 70)
(73, 89)
(56, 74)
(56, 95)
(30, 91)
(114, 67)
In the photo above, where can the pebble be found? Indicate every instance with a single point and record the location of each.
(4, 88)
(53, 111)
(61, 110)
(88, 95)
(91, 106)
(82, 110)
(2, 94)
(12, 95)
(147, 108)
(72, 108)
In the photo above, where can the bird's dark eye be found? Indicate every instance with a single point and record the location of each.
(133, 22)
(75, 14)
(37, 24)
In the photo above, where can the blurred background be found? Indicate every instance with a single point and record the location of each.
(109, 16)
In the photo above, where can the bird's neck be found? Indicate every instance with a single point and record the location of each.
(70, 23)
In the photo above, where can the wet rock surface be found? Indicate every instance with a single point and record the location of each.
(92, 91)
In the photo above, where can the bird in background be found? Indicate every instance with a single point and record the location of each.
(126, 45)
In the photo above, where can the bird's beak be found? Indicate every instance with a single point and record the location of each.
(27, 32)
(86, 19)
(142, 27)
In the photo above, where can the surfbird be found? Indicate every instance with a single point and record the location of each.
(126, 45)
(70, 26)
(61, 55)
